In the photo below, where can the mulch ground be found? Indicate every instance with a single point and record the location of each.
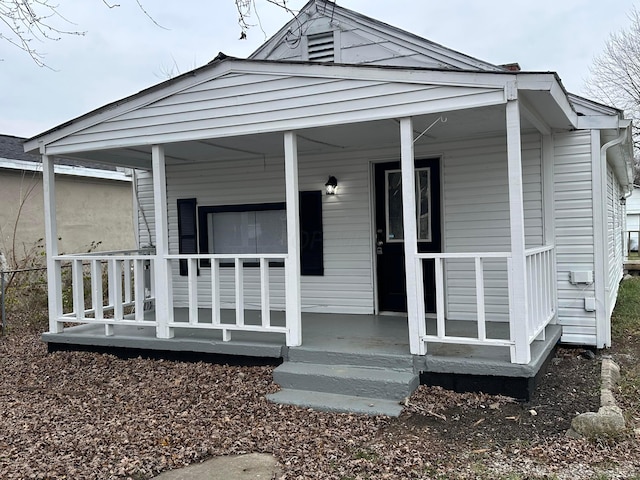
(79, 415)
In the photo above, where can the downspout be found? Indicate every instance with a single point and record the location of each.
(603, 325)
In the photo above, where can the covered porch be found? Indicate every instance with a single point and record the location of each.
(493, 294)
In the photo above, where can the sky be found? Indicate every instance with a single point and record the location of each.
(123, 51)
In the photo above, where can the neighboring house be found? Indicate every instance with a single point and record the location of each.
(475, 223)
(94, 204)
(632, 237)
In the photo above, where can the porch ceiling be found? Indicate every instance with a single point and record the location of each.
(356, 136)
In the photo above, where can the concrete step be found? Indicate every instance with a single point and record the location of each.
(333, 402)
(369, 382)
(382, 360)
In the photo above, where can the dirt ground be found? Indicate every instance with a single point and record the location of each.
(86, 415)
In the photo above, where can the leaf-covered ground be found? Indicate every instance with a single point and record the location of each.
(80, 415)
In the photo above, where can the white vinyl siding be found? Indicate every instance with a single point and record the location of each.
(346, 285)
(244, 103)
(573, 207)
(615, 212)
(143, 205)
(476, 218)
(475, 194)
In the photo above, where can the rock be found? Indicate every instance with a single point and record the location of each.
(610, 373)
(571, 433)
(606, 398)
(608, 421)
(627, 277)
(588, 354)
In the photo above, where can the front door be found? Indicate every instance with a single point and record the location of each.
(392, 290)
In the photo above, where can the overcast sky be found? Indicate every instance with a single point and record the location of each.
(123, 52)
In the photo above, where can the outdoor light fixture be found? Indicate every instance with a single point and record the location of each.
(331, 185)
(623, 199)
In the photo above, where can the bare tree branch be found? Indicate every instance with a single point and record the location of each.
(28, 24)
(615, 76)
(32, 21)
(247, 8)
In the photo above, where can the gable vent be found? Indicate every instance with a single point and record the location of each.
(320, 47)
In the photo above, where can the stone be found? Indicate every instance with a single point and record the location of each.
(608, 421)
(588, 354)
(251, 466)
(606, 398)
(610, 373)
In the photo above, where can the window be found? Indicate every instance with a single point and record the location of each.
(253, 229)
(247, 232)
(243, 229)
(395, 223)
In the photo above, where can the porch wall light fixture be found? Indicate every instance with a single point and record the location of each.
(331, 185)
(623, 200)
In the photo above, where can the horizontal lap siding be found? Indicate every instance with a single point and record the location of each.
(476, 206)
(346, 285)
(614, 239)
(235, 104)
(145, 219)
(573, 208)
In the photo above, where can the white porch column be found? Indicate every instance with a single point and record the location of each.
(164, 290)
(414, 287)
(54, 286)
(548, 205)
(518, 311)
(292, 272)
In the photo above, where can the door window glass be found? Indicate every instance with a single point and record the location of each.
(393, 187)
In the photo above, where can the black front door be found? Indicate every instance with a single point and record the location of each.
(392, 290)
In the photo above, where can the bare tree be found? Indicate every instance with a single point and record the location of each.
(27, 24)
(615, 76)
(247, 8)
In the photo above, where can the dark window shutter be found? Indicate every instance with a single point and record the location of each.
(311, 243)
(187, 230)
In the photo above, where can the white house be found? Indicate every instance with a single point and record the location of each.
(633, 220)
(477, 215)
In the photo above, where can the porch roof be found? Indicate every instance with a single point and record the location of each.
(231, 97)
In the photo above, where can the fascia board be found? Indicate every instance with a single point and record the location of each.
(22, 165)
(587, 122)
(549, 82)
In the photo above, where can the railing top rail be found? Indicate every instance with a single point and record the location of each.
(225, 256)
(465, 255)
(140, 251)
(533, 251)
(103, 258)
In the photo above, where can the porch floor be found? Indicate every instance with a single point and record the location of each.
(385, 335)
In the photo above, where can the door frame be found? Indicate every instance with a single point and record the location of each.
(439, 157)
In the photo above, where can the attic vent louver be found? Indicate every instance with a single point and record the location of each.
(320, 47)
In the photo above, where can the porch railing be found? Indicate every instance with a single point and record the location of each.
(477, 273)
(238, 322)
(540, 290)
(107, 288)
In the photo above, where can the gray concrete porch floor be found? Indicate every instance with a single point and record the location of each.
(341, 333)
